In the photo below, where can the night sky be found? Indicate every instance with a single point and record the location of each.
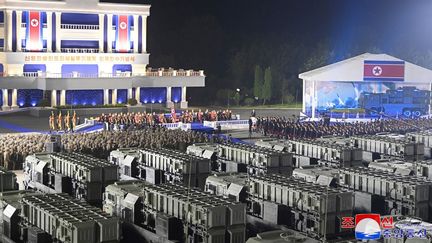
(208, 34)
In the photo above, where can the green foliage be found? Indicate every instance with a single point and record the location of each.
(132, 102)
(267, 87)
(288, 99)
(43, 103)
(249, 101)
(223, 95)
(258, 82)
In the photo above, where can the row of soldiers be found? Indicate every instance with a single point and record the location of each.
(56, 122)
(15, 147)
(292, 128)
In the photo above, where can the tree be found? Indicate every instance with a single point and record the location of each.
(267, 87)
(258, 82)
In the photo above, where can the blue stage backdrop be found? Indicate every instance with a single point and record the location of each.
(84, 97)
(29, 97)
(121, 96)
(1, 97)
(85, 70)
(153, 95)
(121, 68)
(79, 18)
(33, 68)
(176, 94)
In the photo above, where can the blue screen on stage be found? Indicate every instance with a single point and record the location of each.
(84, 97)
(29, 97)
(122, 96)
(368, 98)
(152, 95)
(176, 94)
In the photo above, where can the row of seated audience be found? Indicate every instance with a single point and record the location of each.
(149, 119)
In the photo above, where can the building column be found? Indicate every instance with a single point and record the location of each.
(129, 94)
(18, 31)
(144, 34)
(106, 97)
(8, 34)
(138, 95)
(183, 103)
(63, 97)
(169, 103)
(49, 31)
(5, 96)
(135, 33)
(53, 98)
(101, 32)
(14, 99)
(58, 31)
(109, 33)
(114, 97)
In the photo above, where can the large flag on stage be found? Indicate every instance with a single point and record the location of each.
(123, 34)
(34, 31)
(384, 71)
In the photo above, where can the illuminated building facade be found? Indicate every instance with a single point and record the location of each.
(76, 52)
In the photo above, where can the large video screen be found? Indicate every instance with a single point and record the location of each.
(367, 98)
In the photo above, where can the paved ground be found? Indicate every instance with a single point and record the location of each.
(245, 113)
(15, 122)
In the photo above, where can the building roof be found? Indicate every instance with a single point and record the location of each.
(80, 6)
(352, 70)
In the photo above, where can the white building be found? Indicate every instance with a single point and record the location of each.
(82, 53)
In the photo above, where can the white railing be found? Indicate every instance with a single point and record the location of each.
(126, 74)
(114, 27)
(79, 26)
(232, 124)
(25, 50)
(80, 50)
(178, 125)
(23, 25)
(168, 73)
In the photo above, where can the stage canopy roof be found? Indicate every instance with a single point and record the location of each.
(352, 70)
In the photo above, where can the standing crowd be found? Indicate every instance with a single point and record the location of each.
(291, 128)
(14, 148)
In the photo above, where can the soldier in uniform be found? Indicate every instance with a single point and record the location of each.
(59, 122)
(52, 121)
(66, 122)
(74, 121)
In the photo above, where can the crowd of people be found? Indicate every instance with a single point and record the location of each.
(292, 128)
(143, 119)
(14, 148)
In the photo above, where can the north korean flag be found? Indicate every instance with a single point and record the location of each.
(34, 31)
(123, 33)
(384, 71)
